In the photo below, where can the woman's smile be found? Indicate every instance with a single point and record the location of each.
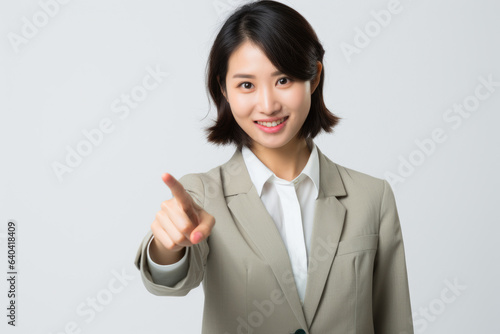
(272, 127)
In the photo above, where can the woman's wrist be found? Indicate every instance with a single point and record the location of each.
(163, 256)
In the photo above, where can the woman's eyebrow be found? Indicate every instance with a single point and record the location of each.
(249, 76)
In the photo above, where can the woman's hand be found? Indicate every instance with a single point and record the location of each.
(181, 222)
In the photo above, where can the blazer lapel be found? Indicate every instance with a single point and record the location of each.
(329, 217)
(247, 207)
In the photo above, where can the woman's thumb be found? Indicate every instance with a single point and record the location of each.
(203, 230)
(196, 236)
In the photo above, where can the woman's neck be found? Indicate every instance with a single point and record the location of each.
(288, 161)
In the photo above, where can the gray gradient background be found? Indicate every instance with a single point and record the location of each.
(73, 234)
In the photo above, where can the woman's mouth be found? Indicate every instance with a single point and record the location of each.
(272, 127)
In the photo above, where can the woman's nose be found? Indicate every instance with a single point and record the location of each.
(267, 100)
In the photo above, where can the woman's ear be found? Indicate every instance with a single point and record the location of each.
(315, 82)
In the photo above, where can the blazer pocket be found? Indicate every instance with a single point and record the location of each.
(358, 244)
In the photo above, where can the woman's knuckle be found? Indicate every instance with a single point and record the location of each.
(158, 215)
(169, 244)
(183, 206)
(154, 227)
(184, 228)
(178, 239)
(164, 205)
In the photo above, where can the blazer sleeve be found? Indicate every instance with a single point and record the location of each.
(391, 296)
(197, 257)
(167, 274)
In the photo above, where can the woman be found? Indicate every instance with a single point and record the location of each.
(283, 239)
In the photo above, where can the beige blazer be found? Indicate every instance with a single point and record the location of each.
(356, 280)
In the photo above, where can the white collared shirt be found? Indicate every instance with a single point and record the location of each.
(290, 204)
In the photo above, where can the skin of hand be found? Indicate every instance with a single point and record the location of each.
(180, 223)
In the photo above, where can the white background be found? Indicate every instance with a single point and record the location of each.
(77, 231)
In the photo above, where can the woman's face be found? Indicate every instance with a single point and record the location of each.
(256, 91)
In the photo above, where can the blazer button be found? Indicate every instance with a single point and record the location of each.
(300, 331)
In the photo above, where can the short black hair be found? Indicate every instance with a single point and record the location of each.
(292, 46)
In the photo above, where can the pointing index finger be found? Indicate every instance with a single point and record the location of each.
(177, 189)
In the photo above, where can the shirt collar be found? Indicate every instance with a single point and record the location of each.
(260, 173)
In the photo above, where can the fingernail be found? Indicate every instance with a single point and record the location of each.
(197, 237)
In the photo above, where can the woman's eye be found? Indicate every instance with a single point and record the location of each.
(286, 79)
(249, 85)
(245, 85)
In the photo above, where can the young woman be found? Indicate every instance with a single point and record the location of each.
(283, 239)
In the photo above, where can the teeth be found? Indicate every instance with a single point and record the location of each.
(271, 124)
